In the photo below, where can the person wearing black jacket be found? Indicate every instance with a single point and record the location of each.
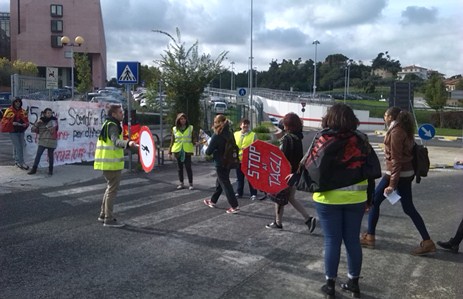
(291, 146)
(216, 148)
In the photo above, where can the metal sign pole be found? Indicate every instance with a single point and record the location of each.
(129, 122)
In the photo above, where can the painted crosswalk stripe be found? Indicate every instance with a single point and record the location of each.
(91, 188)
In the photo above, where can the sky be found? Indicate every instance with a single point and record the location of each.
(426, 33)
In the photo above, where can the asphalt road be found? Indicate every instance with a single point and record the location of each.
(51, 245)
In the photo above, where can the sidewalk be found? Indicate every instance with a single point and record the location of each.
(12, 177)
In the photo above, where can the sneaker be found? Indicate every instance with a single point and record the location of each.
(101, 218)
(181, 186)
(233, 210)
(253, 197)
(274, 225)
(449, 245)
(311, 223)
(24, 166)
(191, 187)
(426, 247)
(18, 165)
(112, 223)
(209, 203)
(238, 196)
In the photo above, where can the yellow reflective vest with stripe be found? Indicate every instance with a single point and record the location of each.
(348, 195)
(243, 141)
(107, 155)
(183, 140)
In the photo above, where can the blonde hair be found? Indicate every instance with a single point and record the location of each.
(219, 123)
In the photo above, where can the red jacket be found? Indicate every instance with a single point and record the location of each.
(12, 115)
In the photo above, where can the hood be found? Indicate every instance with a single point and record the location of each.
(177, 119)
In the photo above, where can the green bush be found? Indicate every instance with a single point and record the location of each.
(261, 129)
(263, 136)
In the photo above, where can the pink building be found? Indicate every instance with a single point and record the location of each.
(36, 31)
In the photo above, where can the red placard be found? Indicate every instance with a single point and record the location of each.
(265, 166)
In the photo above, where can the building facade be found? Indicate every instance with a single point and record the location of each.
(5, 35)
(36, 29)
(421, 72)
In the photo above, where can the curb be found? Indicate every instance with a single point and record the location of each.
(439, 137)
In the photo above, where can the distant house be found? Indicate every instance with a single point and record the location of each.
(385, 74)
(421, 72)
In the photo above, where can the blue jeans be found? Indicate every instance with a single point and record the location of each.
(240, 187)
(223, 184)
(40, 151)
(341, 223)
(404, 189)
(18, 147)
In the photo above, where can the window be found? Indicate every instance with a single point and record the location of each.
(56, 10)
(56, 41)
(56, 26)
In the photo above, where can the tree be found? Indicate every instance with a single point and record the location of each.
(436, 95)
(185, 74)
(8, 68)
(84, 73)
(384, 61)
(459, 85)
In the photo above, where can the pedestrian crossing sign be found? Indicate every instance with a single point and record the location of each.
(127, 72)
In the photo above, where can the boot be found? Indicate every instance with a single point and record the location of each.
(426, 247)
(50, 170)
(328, 289)
(367, 240)
(352, 286)
(33, 170)
(449, 245)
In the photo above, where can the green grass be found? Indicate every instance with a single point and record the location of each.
(449, 132)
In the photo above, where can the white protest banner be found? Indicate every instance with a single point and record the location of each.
(79, 127)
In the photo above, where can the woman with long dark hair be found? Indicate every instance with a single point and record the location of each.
(398, 142)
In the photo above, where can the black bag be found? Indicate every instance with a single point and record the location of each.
(420, 161)
(230, 157)
(281, 197)
(336, 160)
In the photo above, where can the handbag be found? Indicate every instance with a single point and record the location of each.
(282, 197)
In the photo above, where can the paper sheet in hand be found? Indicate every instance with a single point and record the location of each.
(393, 197)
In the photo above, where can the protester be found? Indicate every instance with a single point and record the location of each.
(340, 210)
(244, 138)
(109, 157)
(15, 122)
(216, 148)
(47, 128)
(398, 151)
(291, 146)
(182, 145)
(454, 243)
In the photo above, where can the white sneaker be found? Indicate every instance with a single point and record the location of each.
(253, 197)
(191, 187)
(181, 186)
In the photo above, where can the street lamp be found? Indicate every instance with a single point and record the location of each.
(78, 41)
(232, 74)
(315, 42)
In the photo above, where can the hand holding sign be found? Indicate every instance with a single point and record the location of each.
(265, 166)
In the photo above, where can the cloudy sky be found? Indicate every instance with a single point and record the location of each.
(427, 33)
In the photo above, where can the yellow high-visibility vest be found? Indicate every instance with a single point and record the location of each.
(107, 155)
(244, 142)
(183, 140)
(347, 195)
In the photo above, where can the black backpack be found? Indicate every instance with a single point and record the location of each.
(420, 161)
(336, 160)
(230, 157)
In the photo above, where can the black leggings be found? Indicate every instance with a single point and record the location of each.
(187, 163)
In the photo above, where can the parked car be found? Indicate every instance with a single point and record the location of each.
(219, 107)
(5, 102)
(273, 120)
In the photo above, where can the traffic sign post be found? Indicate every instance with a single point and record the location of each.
(127, 73)
(241, 96)
(426, 131)
(52, 78)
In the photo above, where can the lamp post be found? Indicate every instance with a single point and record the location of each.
(315, 42)
(78, 41)
(232, 74)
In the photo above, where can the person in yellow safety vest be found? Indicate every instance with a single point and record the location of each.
(244, 138)
(109, 157)
(182, 146)
(340, 213)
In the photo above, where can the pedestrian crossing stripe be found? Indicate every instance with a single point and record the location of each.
(127, 75)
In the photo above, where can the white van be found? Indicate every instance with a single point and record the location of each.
(219, 107)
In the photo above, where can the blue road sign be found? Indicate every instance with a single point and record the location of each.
(426, 131)
(127, 72)
(242, 91)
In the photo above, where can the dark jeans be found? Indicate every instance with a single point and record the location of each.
(458, 235)
(40, 151)
(341, 223)
(240, 180)
(404, 189)
(223, 183)
(187, 163)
